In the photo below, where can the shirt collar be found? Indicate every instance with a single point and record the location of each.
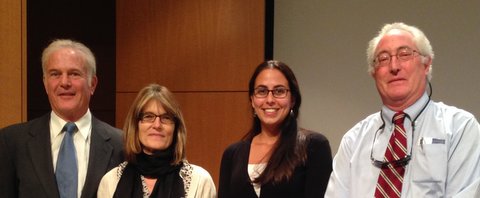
(84, 124)
(412, 111)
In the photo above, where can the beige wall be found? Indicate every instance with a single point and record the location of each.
(12, 64)
(325, 43)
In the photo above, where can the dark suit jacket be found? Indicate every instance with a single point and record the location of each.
(308, 180)
(26, 167)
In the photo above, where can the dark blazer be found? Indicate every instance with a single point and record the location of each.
(308, 180)
(26, 166)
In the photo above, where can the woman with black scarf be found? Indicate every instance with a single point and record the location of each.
(156, 165)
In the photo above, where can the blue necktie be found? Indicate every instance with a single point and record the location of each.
(67, 171)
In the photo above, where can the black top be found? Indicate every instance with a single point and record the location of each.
(309, 180)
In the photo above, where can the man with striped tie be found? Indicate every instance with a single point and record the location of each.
(412, 147)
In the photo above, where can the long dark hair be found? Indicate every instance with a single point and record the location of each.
(289, 150)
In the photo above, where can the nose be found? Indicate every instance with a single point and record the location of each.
(394, 64)
(65, 80)
(270, 98)
(156, 123)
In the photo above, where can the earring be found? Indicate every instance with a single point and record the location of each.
(291, 112)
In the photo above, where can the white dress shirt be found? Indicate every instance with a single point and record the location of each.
(81, 139)
(445, 147)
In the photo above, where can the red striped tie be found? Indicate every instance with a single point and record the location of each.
(390, 180)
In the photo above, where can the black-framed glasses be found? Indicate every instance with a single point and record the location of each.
(164, 118)
(402, 162)
(395, 163)
(403, 54)
(277, 92)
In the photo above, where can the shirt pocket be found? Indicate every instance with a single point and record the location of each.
(429, 165)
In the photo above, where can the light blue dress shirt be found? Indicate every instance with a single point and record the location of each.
(445, 147)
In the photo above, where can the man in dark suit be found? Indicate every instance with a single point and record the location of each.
(29, 152)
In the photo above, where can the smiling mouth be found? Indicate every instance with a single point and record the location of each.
(396, 80)
(66, 94)
(270, 110)
(156, 135)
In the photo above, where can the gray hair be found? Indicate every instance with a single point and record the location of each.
(83, 50)
(419, 38)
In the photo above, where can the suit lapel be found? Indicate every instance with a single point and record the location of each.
(40, 152)
(100, 155)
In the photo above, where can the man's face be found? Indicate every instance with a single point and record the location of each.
(401, 82)
(66, 83)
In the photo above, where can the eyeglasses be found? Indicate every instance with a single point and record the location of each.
(395, 163)
(403, 54)
(405, 160)
(277, 92)
(150, 118)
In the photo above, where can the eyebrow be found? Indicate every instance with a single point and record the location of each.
(280, 86)
(396, 50)
(274, 87)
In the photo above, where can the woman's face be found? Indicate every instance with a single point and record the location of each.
(271, 110)
(156, 135)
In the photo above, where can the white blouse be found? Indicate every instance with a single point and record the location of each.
(254, 170)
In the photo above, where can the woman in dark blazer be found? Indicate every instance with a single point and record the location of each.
(275, 158)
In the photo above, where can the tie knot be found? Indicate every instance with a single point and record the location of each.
(70, 127)
(398, 118)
